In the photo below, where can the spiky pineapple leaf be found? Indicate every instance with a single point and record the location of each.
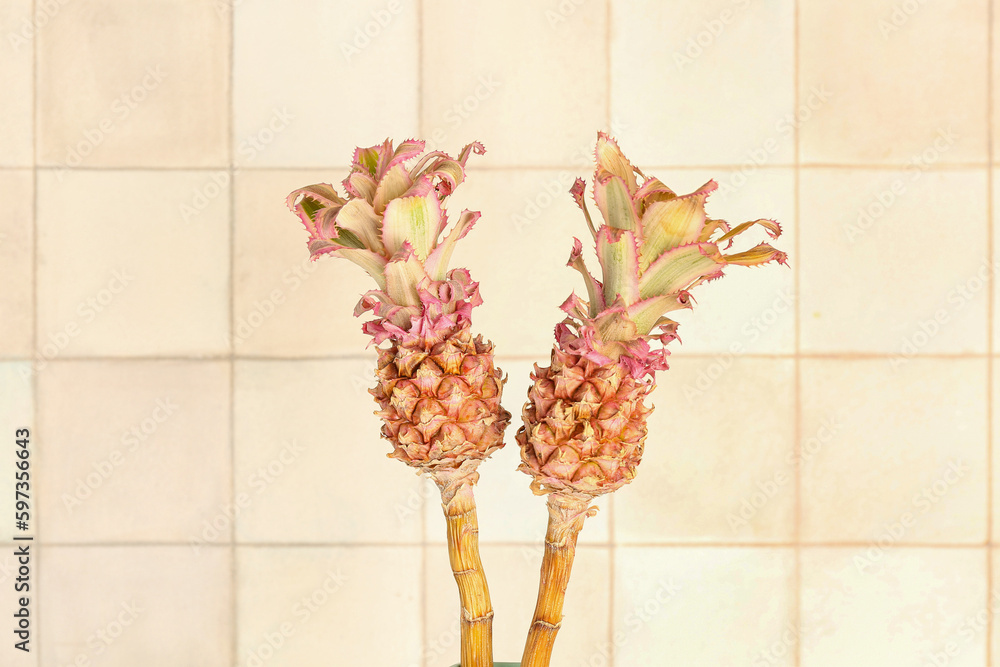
(620, 261)
(674, 222)
(402, 277)
(615, 202)
(595, 292)
(359, 218)
(413, 220)
(611, 159)
(679, 268)
(437, 262)
(759, 254)
(648, 312)
(372, 263)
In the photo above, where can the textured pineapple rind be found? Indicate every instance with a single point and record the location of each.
(584, 425)
(440, 402)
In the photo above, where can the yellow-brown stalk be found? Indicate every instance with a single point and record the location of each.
(567, 512)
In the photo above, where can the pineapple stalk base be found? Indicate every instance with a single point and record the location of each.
(567, 513)
(459, 507)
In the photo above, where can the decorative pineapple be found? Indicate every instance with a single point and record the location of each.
(438, 389)
(585, 418)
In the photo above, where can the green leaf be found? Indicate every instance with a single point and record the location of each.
(680, 268)
(620, 263)
(413, 220)
(615, 203)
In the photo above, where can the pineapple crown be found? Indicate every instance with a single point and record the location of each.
(653, 247)
(394, 225)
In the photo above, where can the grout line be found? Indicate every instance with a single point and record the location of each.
(424, 598)
(722, 166)
(796, 601)
(230, 126)
(36, 610)
(666, 544)
(990, 295)
(842, 356)
(612, 540)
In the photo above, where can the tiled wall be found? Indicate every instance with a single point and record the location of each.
(817, 489)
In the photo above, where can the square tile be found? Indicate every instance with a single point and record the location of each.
(894, 455)
(518, 251)
(882, 271)
(488, 94)
(676, 603)
(322, 606)
(134, 83)
(512, 573)
(352, 80)
(19, 27)
(17, 273)
(719, 462)
(134, 450)
(752, 310)
(286, 304)
(17, 413)
(686, 81)
(10, 604)
(905, 606)
(503, 491)
(112, 605)
(129, 276)
(309, 459)
(871, 112)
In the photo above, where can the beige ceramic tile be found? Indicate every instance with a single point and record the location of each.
(518, 251)
(128, 275)
(352, 79)
(322, 606)
(18, 27)
(310, 464)
(676, 603)
(16, 269)
(906, 606)
(687, 84)
(134, 450)
(11, 604)
(285, 304)
(894, 455)
(873, 112)
(134, 83)
(719, 462)
(513, 573)
(751, 310)
(533, 88)
(974, 625)
(884, 271)
(508, 511)
(16, 413)
(135, 605)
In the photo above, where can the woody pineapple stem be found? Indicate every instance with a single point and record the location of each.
(459, 507)
(567, 513)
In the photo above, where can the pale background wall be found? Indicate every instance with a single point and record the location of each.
(164, 334)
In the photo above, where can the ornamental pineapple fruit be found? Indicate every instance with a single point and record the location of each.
(585, 418)
(438, 389)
